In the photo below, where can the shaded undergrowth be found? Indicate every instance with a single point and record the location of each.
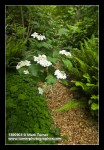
(26, 110)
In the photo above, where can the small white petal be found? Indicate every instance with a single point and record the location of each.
(60, 74)
(65, 52)
(42, 60)
(23, 63)
(40, 90)
(39, 37)
(34, 34)
(26, 72)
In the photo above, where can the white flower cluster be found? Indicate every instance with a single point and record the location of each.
(60, 74)
(65, 52)
(40, 90)
(23, 63)
(26, 72)
(39, 37)
(42, 60)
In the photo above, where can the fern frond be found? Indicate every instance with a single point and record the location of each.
(72, 105)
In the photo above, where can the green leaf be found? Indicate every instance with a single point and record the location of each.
(64, 82)
(51, 79)
(21, 70)
(67, 64)
(22, 96)
(94, 106)
(88, 84)
(87, 76)
(96, 68)
(83, 65)
(46, 45)
(55, 53)
(96, 78)
(94, 97)
(33, 69)
(74, 88)
(90, 101)
(13, 88)
(53, 60)
(78, 83)
(72, 104)
(10, 104)
(63, 31)
(51, 70)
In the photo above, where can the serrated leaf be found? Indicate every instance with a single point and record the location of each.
(63, 31)
(71, 105)
(83, 65)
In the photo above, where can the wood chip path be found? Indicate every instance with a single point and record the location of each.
(77, 126)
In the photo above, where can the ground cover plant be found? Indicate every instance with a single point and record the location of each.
(53, 44)
(27, 111)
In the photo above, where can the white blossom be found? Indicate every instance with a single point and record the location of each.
(65, 52)
(23, 63)
(60, 74)
(39, 37)
(42, 60)
(40, 90)
(27, 63)
(26, 72)
(34, 34)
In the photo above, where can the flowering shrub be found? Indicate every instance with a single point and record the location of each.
(42, 66)
(83, 71)
(71, 63)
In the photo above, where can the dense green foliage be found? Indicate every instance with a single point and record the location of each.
(83, 70)
(64, 26)
(26, 110)
(71, 28)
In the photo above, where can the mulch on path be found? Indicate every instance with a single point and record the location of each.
(77, 126)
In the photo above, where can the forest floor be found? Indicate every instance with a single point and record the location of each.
(76, 125)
